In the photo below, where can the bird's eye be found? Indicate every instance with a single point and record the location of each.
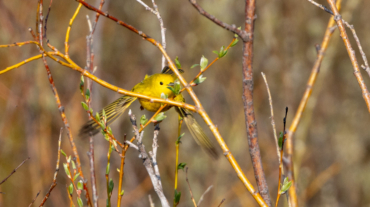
(161, 83)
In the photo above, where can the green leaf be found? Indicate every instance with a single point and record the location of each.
(215, 51)
(143, 119)
(79, 201)
(181, 166)
(87, 94)
(172, 89)
(97, 117)
(104, 117)
(110, 130)
(76, 176)
(84, 105)
(177, 197)
(200, 79)
(239, 28)
(222, 52)
(178, 65)
(73, 165)
(286, 185)
(106, 137)
(177, 87)
(102, 124)
(66, 169)
(110, 186)
(122, 192)
(82, 83)
(63, 152)
(195, 65)
(108, 169)
(160, 117)
(80, 185)
(234, 43)
(70, 188)
(69, 159)
(280, 142)
(203, 63)
(179, 138)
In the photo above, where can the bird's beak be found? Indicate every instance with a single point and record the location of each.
(171, 84)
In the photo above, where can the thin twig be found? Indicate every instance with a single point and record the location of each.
(151, 201)
(321, 6)
(89, 82)
(97, 16)
(47, 17)
(293, 199)
(14, 170)
(55, 92)
(205, 192)
(363, 55)
(191, 192)
(272, 116)
(54, 183)
(121, 173)
(232, 28)
(148, 164)
(223, 200)
(34, 198)
(281, 158)
(351, 53)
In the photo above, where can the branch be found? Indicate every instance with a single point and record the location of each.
(39, 32)
(54, 183)
(14, 170)
(205, 192)
(351, 53)
(245, 36)
(250, 120)
(34, 198)
(148, 164)
(293, 200)
(191, 192)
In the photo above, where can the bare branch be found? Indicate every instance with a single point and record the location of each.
(205, 192)
(148, 164)
(14, 170)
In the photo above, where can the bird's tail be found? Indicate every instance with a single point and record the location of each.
(112, 111)
(197, 132)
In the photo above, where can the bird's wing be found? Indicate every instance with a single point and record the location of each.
(112, 112)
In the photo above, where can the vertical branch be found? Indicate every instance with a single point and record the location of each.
(121, 172)
(250, 120)
(57, 99)
(90, 68)
(351, 53)
(272, 116)
(56, 170)
(293, 200)
(148, 163)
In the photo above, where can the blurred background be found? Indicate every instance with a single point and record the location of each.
(332, 145)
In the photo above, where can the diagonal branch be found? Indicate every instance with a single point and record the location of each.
(351, 53)
(232, 28)
(293, 200)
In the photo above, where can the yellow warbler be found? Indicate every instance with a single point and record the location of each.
(154, 85)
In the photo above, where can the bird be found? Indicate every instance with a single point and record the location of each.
(155, 85)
